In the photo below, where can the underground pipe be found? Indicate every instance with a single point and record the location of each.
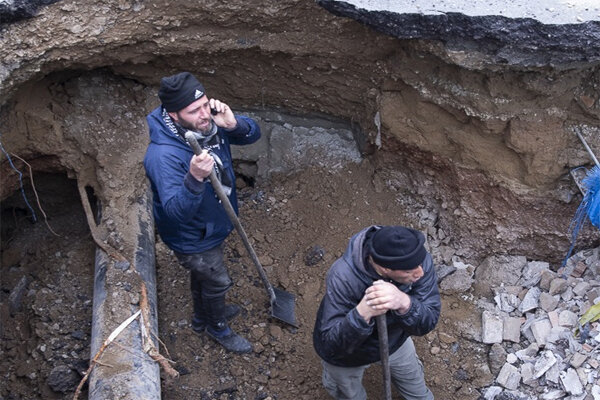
(124, 370)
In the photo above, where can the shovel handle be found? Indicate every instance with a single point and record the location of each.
(591, 153)
(384, 353)
(216, 184)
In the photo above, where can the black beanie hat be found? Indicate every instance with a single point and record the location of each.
(179, 91)
(397, 248)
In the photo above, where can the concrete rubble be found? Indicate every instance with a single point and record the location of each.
(531, 320)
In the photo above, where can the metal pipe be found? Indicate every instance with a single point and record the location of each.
(125, 371)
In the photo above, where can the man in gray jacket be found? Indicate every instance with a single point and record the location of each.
(385, 270)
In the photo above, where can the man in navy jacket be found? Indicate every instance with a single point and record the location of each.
(385, 270)
(187, 212)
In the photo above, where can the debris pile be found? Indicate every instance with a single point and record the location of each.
(542, 325)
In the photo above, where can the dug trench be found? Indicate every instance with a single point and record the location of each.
(475, 155)
(299, 222)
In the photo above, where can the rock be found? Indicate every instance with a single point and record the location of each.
(557, 286)
(509, 377)
(458, 282)
(567, 318)
(571, 382)
(531, 300)
(497, 357)
(507, 302)
(496, 269)
(581, 289)
(15, 297)
(62, 379)
(544, 363)
(512, 329)
(541, 330)
(578, 360)
(492, 392)
(548, 302)
(545, 279)
(532, 273)
(491, 328)
(314, 255)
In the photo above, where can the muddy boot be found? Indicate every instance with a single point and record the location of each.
(219, 330)
(200, 319)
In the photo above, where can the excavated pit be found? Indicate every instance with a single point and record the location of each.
(478, 158)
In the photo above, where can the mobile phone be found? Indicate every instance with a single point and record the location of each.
(214, 111)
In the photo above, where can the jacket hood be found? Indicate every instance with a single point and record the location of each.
(162, 134)
(355, 255)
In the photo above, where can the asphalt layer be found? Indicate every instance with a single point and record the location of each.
(551, 12)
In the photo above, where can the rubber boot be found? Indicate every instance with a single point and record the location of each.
(200, 319)
(219, 330)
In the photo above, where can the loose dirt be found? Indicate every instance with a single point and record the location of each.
(298, 224)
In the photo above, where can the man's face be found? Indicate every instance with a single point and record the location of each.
(405, 277)
(196, 116)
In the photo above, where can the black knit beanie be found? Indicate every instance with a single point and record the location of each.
(397, 248)
(179, 91)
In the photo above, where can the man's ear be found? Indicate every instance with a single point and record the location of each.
(173, 116)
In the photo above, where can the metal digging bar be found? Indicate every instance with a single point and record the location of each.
(384, 353)
(282, 302)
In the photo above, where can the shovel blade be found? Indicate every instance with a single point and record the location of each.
(283, 307)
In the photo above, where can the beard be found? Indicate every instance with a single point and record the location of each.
(191, 126)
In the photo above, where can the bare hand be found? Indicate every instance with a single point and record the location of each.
(385, 296)
(224, 117)
(366, 311)
(201, 165)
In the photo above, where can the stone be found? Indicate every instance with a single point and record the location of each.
(548, 302)
(62, 379)
(511, 358)
(544, 362)
(581, 289)
(532, 273)
(512, 329)
(527, 373)
(553, 373)
(496, 269)
(492, 392)
(458, 282)
(557, 286)
(531, 300)
(596, 392)
(497, 357)
(545, 280)
(507, 302)
(491, 328)
(528, 354)
(541, 330)
(509, 377)
(553, 317)
(553, 394)
(577, 360)
(567, 318)
(570, 381)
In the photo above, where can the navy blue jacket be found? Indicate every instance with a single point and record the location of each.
(187, 213)
(341, 336)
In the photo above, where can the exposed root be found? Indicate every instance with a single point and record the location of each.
(93, 229)
(36, 195)
(148, 344)
(108, 341)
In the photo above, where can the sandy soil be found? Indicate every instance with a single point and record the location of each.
(290, 221)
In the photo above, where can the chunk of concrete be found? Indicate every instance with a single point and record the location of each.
(541, 330)
(512, 329)
(570, 381)
(491, 327)
(578, 359)
(548, 302)
(567, 318)
(509, 377)
(532, 273)
(581, 289)
(544, 362)
(557, 286)
(531, 300)
(495, 270)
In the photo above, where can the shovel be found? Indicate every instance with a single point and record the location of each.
(282, 302)
(384, 353)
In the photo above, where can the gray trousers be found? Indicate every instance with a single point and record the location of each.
(405, 368)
